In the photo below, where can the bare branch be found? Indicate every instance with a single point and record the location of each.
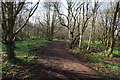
(30, 14)
(19, 8)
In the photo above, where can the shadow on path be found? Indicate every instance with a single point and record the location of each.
(58, 63)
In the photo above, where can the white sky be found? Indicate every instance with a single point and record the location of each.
(71, 0)
(39, 12)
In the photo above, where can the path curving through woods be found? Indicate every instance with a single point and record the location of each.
(58, 63)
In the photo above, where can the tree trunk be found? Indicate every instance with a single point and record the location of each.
(107, 43)
(108, 35)
(89, 41)
(80, 41)
(111, 47)
(9, 15)
(10, 35)
(10, 50)
(51, 37)
(70, 39)
(112, 30)
(71, 44)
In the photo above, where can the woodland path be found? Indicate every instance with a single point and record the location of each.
(59, 63)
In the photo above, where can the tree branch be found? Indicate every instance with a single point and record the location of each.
(30, 14)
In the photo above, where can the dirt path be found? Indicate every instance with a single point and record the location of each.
(57, 62)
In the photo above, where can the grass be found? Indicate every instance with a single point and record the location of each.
(104, 61)
(56, 39)
(26, 46)
(107, 64)
(26, 53)
(117, 44)
(13, 67)
(97, 55)
(116, 53)
(23, 47)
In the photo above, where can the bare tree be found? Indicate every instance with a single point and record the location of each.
(113, 28)
(94, 15)
(49, 25)
(77, 18)
(10, 11)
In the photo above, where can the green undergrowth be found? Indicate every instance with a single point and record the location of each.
(17, 67)
(99, 56)
(23, 47)
(110, 66)
(31, 45)
(58, 39)
(104, 61)
(26, 53)
(94, 43)
(117, 44)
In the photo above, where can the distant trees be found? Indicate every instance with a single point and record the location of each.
(80, 20)
(110, 25)
(106, 18)
(10, 11)
(94, 16)
(50, 24)
(76, 21)
(80, 14)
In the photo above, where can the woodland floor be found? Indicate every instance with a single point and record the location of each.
(55, 61)
(52, 61)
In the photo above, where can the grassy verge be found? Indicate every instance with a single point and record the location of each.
(26, 53)
(98, 59)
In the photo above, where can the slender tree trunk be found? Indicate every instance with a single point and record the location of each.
(89, 41)
(111, 47)
(108, 35)
(70, 39)
(107, 42)
(80, 41)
